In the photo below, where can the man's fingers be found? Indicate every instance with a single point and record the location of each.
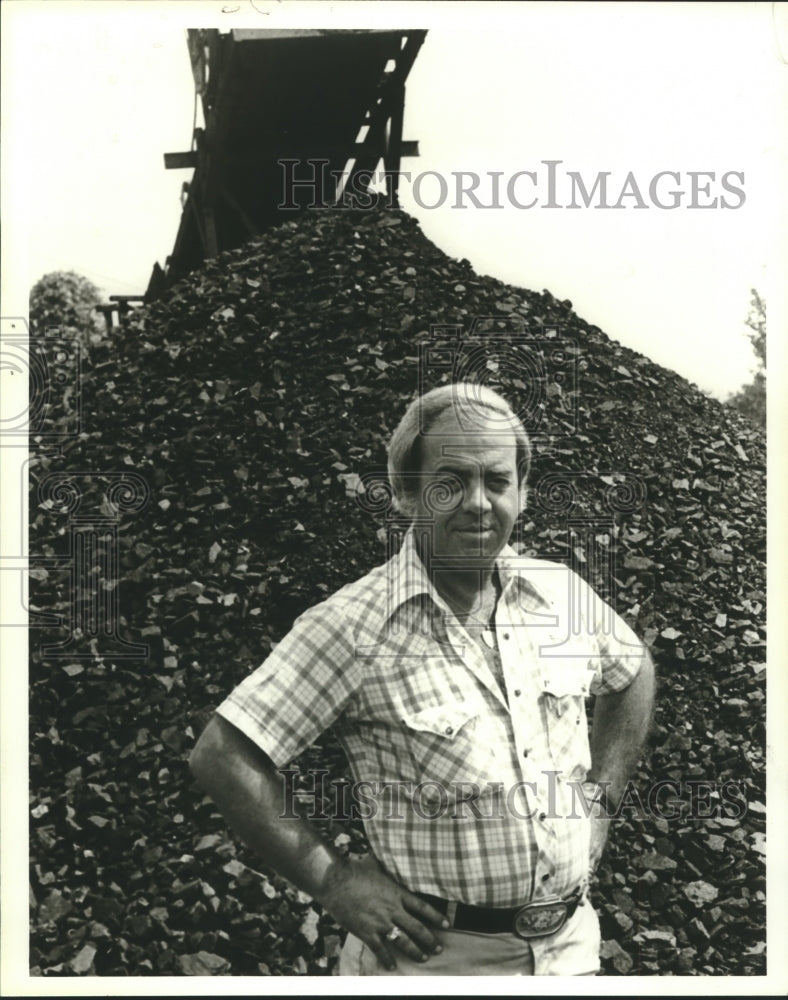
(405, 943)
(418, 933)
(382, 952)
(374, 906)
(419, 908)
(413, 940)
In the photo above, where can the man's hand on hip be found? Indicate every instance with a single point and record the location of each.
(370, 904)
(247, 788)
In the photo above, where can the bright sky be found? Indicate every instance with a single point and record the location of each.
(95, 93)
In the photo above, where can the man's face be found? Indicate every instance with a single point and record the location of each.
(479, 468)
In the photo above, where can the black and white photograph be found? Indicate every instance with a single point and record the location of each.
(384, 497)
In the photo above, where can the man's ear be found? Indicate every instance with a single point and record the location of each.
(403, 505)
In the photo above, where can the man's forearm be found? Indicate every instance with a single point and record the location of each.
(249, 793)
(620, 725)
(248, 790)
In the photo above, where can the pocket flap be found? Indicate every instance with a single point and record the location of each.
(568, 678)
(442, 720)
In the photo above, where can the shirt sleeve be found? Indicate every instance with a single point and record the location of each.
(300, 689)
(621, 653)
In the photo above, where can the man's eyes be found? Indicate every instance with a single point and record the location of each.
(455, 485)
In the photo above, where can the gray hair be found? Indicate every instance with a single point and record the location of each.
(465, 398)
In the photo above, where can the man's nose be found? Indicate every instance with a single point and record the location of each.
(475, 496)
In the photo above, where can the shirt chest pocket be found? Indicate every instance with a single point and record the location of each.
(451, 748)
(564, 714)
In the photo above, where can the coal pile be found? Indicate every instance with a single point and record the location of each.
(224, 433)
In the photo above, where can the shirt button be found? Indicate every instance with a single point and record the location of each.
(517, 692)
(449, 730)
(542, 816)
(506, 635)
(525, 753)
(546, 876)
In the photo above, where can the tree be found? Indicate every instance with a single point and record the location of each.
(751, 399)
(66, 300)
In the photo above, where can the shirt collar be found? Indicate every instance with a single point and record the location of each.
(410, 580)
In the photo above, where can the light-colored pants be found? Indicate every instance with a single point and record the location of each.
(573, 951)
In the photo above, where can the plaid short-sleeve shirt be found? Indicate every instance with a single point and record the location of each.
(467, 791)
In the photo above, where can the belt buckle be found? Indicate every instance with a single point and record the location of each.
(539, 919)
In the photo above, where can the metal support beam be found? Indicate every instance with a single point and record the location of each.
(189, 160)
(393, 154)
(232, 194)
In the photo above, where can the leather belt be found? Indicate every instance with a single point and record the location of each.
(536, 919)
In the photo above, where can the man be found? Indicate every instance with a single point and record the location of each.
(456, 682)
